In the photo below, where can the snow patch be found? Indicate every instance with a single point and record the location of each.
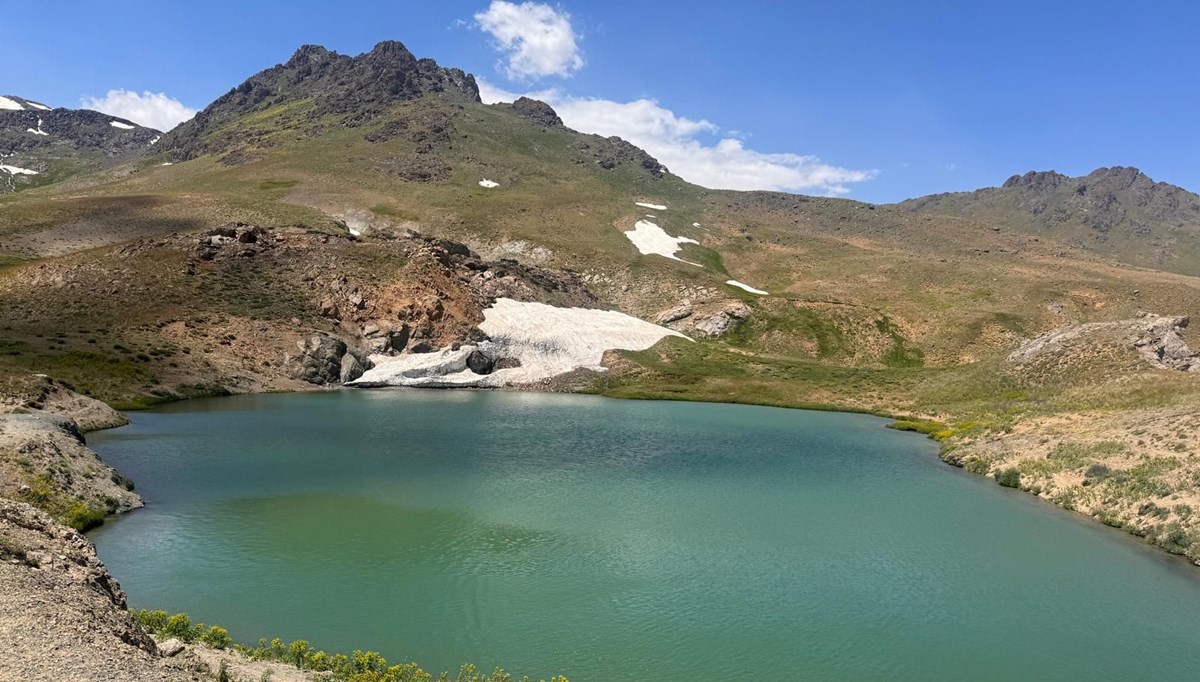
(695, 224)
(156, 139)
(17, 170)
(167, 163)
(652, 239)
(10, 104)
(37, 105)
(547, 341)
(656, 207)
(747, 287)
(39, 130)
(122, 126)
(488, 183)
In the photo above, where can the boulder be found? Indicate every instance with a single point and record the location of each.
(170, 647)
(480, 363)
(352, 368)
(673, 314)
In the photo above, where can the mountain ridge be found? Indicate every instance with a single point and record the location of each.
(40, 144)
(1114, 210)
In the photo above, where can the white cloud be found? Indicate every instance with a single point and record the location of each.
(537, 39)
(153, 110)
(676, 141)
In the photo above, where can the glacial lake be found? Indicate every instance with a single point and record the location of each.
(622, 540)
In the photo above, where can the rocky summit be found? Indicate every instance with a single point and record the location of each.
(356, 89)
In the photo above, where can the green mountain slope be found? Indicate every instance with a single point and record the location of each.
(1117, 212)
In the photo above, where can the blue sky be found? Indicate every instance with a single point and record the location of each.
(897, 99)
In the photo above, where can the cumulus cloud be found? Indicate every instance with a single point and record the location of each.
(536, 39)
(153, 110)
(678, 142)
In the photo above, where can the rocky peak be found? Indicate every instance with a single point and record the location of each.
(358, 89)
(1037, 180)
(537, 111)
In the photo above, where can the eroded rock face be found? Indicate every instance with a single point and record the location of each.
(1157, 338)
(673, 314)
(719, 323)
(320, 360)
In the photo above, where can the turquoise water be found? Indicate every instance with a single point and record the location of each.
(615, 540)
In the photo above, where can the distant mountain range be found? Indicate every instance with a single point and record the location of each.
(40, 144)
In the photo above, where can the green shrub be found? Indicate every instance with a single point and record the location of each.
(82, 517)
(216, 637)
(180, 627)
(1009, 478)
(153, 621)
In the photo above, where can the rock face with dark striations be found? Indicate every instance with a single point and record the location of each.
(537, 111)
(357, 89)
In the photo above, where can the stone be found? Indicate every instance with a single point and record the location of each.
(170, 647)
(673, 314)
(351, 368)
(537, 111)
(480, 363)
(719, 323)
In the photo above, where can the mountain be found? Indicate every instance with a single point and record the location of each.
(1118, 212)
(332, 212)
(354, 89)
(40, 145)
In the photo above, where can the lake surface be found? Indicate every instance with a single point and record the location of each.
(616, 540)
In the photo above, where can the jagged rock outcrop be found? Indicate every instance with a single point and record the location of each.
(612, 152)
(41, 394)
(326, 361)
(537, 111)
(357, 89)
(1157, 338)
(62, 615)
